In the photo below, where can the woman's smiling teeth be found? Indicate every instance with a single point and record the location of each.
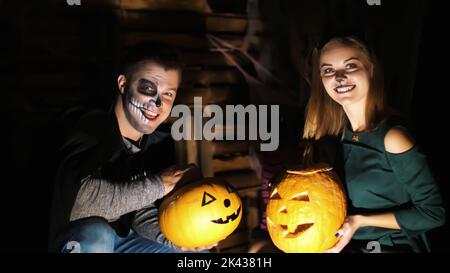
(344, 88)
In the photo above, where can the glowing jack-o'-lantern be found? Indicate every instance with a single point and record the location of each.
(305, 209)
(200, 214)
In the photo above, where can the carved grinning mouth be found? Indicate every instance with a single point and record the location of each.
(299, 230)
(231, 217)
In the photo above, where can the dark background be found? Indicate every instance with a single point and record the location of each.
(55, 56)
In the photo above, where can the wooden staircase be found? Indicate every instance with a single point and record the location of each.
(68, 55)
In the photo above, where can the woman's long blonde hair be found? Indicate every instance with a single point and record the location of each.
(324, 116)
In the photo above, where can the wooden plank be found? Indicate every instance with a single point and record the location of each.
(193, 60)
(180, 152)
(87, 4)
(241, 180)
(226, 24)
(191, 41)
(200, 6)
(192, 153)
(191, 19)
(252, 207)
(223, 130)
(228, 6)
(205, 59)
(163, 21)
(206, 158)
(185, 22)
(220, 95)
(230, 147)
(179, 40)
(192, 156)
(235, 163)
(208, 77)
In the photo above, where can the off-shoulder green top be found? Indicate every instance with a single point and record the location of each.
(378, 181)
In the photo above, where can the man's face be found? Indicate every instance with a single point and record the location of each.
(149, 95)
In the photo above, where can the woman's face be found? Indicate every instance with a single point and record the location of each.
(345, 74)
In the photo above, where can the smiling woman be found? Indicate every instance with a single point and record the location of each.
(348, 73)
(393, 198)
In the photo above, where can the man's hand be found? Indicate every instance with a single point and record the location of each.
(172, 175)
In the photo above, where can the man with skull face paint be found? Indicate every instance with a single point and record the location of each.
(105, 192)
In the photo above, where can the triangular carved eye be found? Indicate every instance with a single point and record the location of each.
(303, 196)
(207, 199)
(275, 195)
(230, 188)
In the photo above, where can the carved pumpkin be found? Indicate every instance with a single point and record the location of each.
(200, 214)
(305, 209)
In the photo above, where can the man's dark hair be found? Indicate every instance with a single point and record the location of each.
(158, 52)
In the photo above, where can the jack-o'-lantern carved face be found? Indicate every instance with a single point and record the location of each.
(200, 214)
(305, 209)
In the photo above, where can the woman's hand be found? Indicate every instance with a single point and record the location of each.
(350, 226)
(353, 222)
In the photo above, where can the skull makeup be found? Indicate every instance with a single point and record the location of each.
(148, 96)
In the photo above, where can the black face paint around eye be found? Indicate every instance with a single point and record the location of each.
(149, 88)
(158, 102)
(140, 110)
